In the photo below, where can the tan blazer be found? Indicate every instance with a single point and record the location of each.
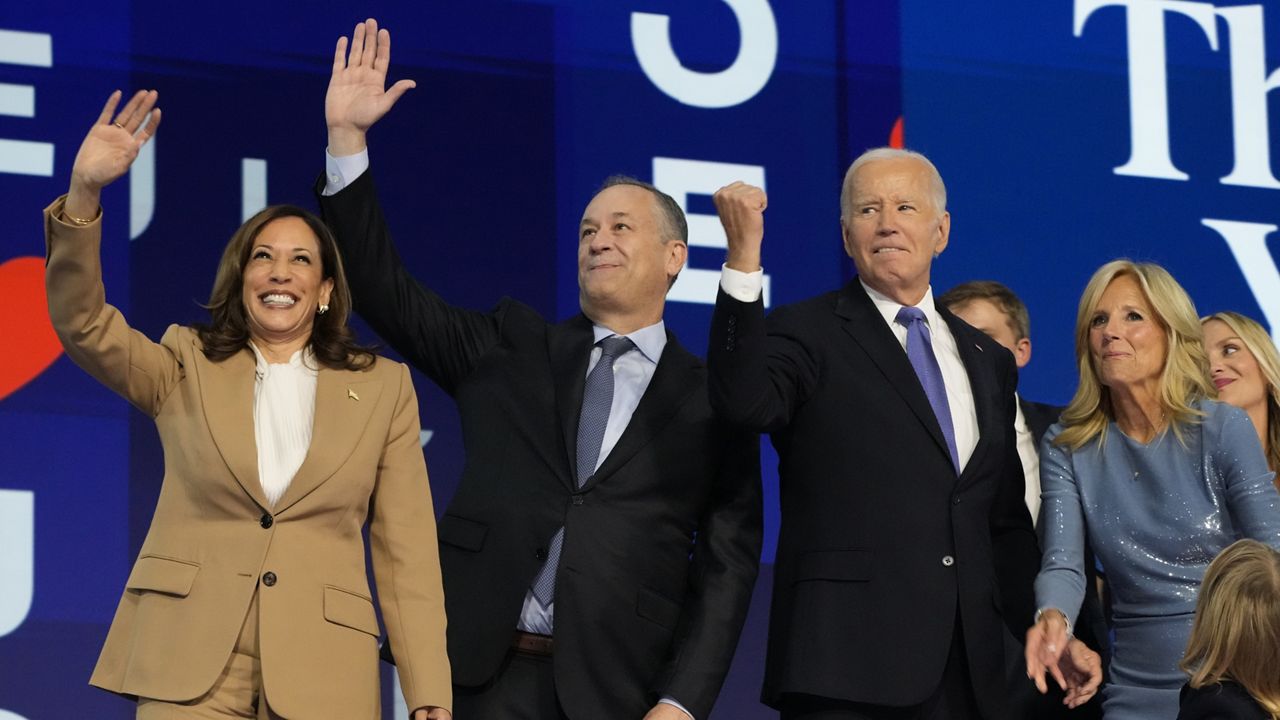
(213, 539)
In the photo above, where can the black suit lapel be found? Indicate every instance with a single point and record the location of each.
(982, 385)
(865, 324)
(674, 380)
(569, 346)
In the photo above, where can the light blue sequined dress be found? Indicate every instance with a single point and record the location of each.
(1155, 515)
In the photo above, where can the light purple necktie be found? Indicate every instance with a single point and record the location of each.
(597, 400)
(920, 353)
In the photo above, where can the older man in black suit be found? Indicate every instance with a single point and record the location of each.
(600, 551)
(903, 530)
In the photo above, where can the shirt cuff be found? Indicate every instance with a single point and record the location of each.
(340, 172)
(672, 701)
(741, 286)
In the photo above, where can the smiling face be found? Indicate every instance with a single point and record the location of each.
(893, 229)
(1233, 369)
(624, 267)
(1127, 342)
(284, 284)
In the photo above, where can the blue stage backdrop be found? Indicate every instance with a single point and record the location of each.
(1069, 133)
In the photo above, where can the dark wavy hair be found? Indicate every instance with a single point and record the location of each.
(227, 332)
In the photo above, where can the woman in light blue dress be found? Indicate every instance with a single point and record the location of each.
(1158, 476)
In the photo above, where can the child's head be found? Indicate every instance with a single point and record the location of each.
(1236, 634)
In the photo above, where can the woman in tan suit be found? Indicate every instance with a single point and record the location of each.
(282, 439)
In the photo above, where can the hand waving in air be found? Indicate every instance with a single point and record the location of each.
(110, 148)
(358, 96)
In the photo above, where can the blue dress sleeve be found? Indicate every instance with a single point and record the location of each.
(1252, 500)
(1061, 581)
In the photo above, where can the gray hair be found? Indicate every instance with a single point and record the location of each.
(937, 187)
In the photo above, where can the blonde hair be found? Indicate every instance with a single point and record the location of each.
(1236, 634)
(1185, 377)
(1258, 342)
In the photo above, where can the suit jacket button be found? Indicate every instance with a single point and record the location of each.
(948, 561)
(540, 554)
(267, 521)
(578, 500)
(955, 500)
(268, 579)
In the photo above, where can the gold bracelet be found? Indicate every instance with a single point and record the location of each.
(78, 222)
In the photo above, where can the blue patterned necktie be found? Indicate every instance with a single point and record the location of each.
(597, 399)
(920, 353)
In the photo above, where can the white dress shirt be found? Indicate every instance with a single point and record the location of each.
(746, 287)
(340, 172)
(284, 409)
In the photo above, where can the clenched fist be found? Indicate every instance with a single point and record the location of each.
(741, 209)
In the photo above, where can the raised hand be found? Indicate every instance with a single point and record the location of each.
(110, 148)
(358, 96)
(741, 209)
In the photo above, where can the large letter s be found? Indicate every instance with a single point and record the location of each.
(736, 84)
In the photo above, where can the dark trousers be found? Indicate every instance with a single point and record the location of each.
(523, 689)
(952, 700)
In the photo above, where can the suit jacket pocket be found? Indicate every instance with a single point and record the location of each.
(348, 609)
(652, 606)
(838, 565)
(162, 575)
(461, 532)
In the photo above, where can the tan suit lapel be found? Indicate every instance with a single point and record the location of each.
(344, 402)
(226, 392)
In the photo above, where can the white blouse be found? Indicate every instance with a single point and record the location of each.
(284, 409)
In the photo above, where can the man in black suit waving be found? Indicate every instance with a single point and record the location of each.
(601, 548)
(900, 481)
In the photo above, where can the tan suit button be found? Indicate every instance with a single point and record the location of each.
(267, 521)
(268, 579)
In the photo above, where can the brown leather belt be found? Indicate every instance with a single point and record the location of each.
(532, 643)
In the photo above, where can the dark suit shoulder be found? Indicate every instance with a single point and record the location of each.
(1039, 416)
(1225, 700)
(512, 315)
(804, 310)
(1045, 409)
(966, 333)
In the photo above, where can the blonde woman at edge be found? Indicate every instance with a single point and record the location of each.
(1156, 475)
(1245, 368)
(282, 440)
(1233, 657)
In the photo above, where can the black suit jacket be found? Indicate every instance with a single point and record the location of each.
(1220, 701)
(661, 547)
(882, 547)
(1039, 417)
